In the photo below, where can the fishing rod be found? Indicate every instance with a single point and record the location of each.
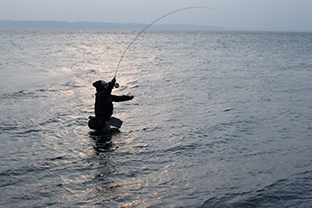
(175, 11)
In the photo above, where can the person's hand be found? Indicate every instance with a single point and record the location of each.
(113, 81)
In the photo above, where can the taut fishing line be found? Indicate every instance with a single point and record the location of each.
(175, 11)
(186, 8)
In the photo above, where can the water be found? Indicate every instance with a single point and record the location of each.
(219, 119)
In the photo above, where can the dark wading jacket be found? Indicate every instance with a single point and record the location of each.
(103, 107)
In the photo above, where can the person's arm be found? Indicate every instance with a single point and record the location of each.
(110, 87)
(122, 98)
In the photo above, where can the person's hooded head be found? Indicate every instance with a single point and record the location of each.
(100, 85)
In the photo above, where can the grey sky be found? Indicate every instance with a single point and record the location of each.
(238, 14)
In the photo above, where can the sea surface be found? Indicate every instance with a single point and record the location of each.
(219, 119)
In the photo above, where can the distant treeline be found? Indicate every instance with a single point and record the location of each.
(8, 24)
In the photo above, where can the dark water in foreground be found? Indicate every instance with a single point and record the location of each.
(218, 119)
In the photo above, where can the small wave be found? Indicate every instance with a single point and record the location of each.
(72, 84)
(182, 149)
(18, 94)
(24, 94)
(46, 90)
(282, 193)
(28, 131)
(7, 127)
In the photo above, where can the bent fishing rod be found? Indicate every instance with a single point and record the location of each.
(175, 11)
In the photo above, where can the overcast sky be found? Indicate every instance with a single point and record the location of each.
(238, 14)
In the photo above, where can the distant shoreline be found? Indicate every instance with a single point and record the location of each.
(11, 24)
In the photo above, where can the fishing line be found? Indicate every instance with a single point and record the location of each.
(175, 11)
